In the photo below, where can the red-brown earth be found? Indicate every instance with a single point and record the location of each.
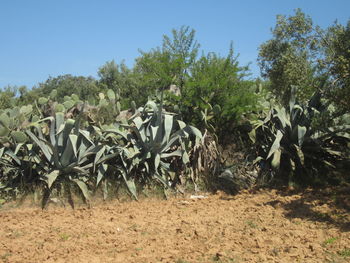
(253, 226)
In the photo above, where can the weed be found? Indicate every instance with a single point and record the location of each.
(181, 261)
(133, 227)
(252, 224)
(5, 256)
(223, 259)
(344, 253)
(329, 241)
(64, 236)
(323, 216)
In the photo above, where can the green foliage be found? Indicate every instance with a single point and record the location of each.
(7, 97)
(67, 152)
(288, 58)
(64, 150)
(336, 41)
(217, 92)
(288, 138)
(65, 85)
(157, 147)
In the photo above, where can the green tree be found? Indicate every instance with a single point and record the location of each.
(336, 43)
(182, 49)
(170, 64)
(8, 97)
(123, 81)
(85, 87)
(219, 83)
(289, 58)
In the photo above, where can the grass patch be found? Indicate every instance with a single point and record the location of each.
(344, 253)
(330, 241)
(64, 236)
(251, 224)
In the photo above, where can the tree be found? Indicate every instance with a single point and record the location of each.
(8, 97)
(66, 85)
(336, 42)
(123, 81)
(289, 58)
(218, 83)
(170, 64)
(183, 50)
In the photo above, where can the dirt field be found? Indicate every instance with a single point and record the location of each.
(266, 226)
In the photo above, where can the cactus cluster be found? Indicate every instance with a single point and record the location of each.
(56, 147)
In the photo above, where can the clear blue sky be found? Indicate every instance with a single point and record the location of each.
(42, 38)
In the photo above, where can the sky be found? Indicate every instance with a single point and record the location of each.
(42, 38)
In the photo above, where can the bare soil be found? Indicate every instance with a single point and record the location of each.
(256, 226)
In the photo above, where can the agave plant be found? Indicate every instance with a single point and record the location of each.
(288, 138)
(65, 156)
(155, 143)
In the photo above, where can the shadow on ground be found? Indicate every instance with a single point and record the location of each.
(328, 205)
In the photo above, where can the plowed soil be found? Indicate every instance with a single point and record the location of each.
(259, 226)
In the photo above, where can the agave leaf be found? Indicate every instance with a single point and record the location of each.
(118, 132)
(333, 152)
(73, 140)
(83, 188)
(67, 155)
(130, 184)
(283, 117)
(301, 134)
(173, 139)
(51, 177)
(107, 157)
(101, 171)
(193, 130)
(177, 153)
(156, 161)
(328, 164)
(45, 149)
(154, 131)
(161, 179)
(276, 160)
(182, 125)
(276, 144)
(185, 157)
(18, 147)
(13, 156)
(99, 155)
(86, 135)
(168, 125)
(68, 126)
(146, 166)
(138, 122)
(81, 170)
